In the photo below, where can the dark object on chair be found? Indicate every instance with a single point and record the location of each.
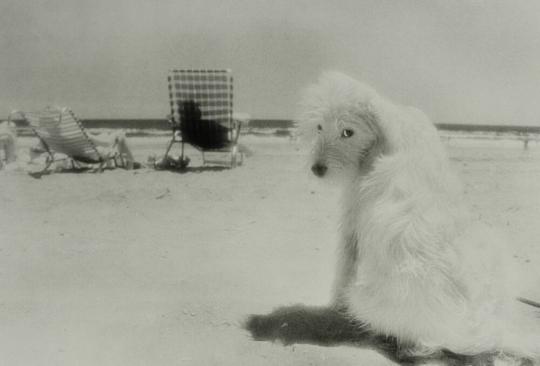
(206, 134)
(202, 116)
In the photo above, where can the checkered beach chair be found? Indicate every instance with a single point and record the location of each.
(60, 131)
(202, 113)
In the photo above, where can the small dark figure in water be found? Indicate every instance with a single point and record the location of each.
(204, 133)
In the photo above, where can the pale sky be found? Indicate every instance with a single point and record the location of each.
(459, 61)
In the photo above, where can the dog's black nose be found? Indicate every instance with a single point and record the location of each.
(319, 169)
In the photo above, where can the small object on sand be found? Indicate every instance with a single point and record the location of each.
(166, 193)
(169, 162)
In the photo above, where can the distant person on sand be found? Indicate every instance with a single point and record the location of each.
(8, 143)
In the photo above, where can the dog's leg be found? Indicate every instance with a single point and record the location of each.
(346, 269)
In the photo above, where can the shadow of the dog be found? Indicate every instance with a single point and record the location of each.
(329, 326)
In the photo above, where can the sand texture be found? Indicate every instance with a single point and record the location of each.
(156, 268)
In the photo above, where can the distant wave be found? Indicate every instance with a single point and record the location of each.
(276, 127)
(162, 124)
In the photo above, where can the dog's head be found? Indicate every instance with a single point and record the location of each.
(339, 112)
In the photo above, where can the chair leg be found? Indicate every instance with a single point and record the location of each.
(170, 145)
(48, 164)
(241, 154)
(234, 154)
(101, 166)
(184, 160)
(43, 171)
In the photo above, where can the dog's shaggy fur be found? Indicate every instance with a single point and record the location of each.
(412, 263)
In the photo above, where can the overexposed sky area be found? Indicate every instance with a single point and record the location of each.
(459, 61)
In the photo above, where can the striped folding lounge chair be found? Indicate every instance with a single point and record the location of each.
(61, 132)
(201, 104)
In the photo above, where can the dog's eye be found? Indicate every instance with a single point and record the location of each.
(347, 133)
(319, 128)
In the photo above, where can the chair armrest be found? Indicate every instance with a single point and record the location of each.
(237, 126)
(238, 120)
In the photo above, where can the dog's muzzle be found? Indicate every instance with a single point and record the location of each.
(319, 169)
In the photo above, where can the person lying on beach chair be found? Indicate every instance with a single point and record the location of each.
(60, 132)
(104, 142)
(8, 143)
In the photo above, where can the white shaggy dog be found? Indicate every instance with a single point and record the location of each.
(412, 264)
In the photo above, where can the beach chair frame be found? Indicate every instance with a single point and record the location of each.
(201, 83)
(95, 158)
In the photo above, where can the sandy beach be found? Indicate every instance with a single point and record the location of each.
(150, 267)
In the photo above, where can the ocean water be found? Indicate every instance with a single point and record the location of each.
(142, 127)
(279, 127)
(162, 124)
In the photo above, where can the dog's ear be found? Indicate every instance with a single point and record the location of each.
(370, 118)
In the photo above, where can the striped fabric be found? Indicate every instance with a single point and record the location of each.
(63, 133)
(211, 90)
